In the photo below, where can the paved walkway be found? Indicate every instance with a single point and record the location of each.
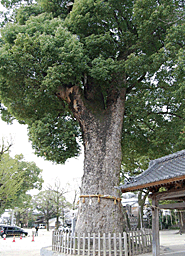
(25, 247)
(171, 244)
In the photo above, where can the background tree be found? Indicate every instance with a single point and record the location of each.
(51, 203)
(142, 195)
(11, 180)
(32, 175)
(5, 147)
(17, 177)
(58, 200)
(43, 205)
(74, 191)
(24, 211)
(113, 68)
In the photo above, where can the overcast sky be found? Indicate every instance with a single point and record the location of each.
(70, 173)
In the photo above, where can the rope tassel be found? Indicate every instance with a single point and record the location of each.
(98, 199)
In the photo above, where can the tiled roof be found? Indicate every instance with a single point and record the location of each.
(168, 168)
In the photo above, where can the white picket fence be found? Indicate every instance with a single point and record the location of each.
(121, 244)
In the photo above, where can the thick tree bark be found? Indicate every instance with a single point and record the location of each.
(102, 150)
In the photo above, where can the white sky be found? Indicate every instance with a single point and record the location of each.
(70, 173)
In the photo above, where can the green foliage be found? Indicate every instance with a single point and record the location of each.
(12, 3)
(24, 13)
(17, 177)
(42, 203)
(39, 44)
(5, 115)
(160, 129)
(11, 180)
(56, 7)
(59, 202)
(24, 210)
(32, 174)
(101, 47)
(50, 136)
(51, 203)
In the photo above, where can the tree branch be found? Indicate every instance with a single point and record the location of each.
(129, 89)
(4, 148)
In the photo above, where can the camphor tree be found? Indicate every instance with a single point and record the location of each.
(109, 71)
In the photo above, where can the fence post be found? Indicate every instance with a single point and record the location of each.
(140, 241)
(78, 243)
(136, 241)
(109, 239)
(144, 241)
(94, 246)
(115, 247)
(120, 244)
(61, 241)
(88, 244)
(125, 243)
(67, 243)
(133, 239)
(104, 245)
(83, 244)
(53, 241)
(99, 245)
(71, 239)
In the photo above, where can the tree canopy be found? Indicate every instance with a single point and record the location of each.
(103, 70)
(100, 46)
(137, 44)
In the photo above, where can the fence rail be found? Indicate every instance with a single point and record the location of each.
(116, 244)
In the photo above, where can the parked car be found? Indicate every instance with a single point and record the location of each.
(64, 229)
(11, 231)
(1, 230)
(41, 226)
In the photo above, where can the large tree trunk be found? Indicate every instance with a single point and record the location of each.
(102, 151)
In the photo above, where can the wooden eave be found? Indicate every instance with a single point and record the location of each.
(172, 194)
(172, 206)
(152, 184)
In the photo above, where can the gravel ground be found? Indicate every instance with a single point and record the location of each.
(25, 246)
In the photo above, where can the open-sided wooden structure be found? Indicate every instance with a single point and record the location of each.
(169, 173)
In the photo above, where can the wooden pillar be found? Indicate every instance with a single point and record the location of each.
(155, 227)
